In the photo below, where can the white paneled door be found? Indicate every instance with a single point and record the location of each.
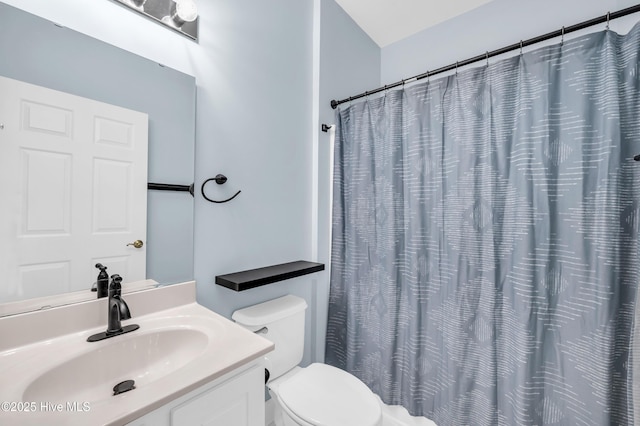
(73, 191)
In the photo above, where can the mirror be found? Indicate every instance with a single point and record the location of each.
(58, 58)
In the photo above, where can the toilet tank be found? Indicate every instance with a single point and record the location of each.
(281, 321)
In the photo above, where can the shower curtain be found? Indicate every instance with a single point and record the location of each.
(485, 239)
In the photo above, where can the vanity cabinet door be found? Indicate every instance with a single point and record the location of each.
(237, 402)
(154, 418)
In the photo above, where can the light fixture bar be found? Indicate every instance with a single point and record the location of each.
(179, 15)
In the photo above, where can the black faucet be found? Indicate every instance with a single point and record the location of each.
(118, 308)
(102, 282)
(117, 311)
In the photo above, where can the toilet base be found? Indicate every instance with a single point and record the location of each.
(273, 407)
(395, 415)
(282, 416)
(392, 415)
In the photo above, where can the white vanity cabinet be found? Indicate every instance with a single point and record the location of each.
(236, 399)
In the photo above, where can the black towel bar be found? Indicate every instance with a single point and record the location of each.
(170, 187)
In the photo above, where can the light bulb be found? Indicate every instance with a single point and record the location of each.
(186, 10)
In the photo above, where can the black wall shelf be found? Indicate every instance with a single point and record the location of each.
(245, 280)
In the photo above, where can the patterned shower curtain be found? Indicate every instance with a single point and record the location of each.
(485, 239)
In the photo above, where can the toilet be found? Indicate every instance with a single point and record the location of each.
(317, 395)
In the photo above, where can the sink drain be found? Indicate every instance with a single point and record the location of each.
(123, 387)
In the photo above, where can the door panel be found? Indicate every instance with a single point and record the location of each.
(73, 189)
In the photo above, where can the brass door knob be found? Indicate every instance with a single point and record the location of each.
(136, 244)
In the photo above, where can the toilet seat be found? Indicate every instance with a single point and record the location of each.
(323, 395)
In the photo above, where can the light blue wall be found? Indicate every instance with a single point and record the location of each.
(489, 27)
(262, 98)
(259, 105)
(257, 93)
(350, 60)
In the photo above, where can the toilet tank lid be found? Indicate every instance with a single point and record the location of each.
(268, 312)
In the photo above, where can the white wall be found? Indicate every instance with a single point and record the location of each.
(491, 26)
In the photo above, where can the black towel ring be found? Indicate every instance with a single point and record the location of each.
(220, 179)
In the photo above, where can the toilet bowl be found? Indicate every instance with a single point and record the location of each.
(317, 395)
(322, 395)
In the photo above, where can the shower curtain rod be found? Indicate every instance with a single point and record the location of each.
(523, 43)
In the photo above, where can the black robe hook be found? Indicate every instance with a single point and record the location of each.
(220, 179)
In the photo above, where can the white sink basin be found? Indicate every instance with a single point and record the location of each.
(140, 356)
(46, 361)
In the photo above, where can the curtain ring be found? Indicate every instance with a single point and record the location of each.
(562, 39)
(608, 19)
(487, 56)
(520, 47)
(456, 67)
(428, 76)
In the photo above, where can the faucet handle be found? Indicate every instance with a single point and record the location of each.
(115, 282)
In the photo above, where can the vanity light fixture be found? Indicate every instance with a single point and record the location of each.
(179, 15)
